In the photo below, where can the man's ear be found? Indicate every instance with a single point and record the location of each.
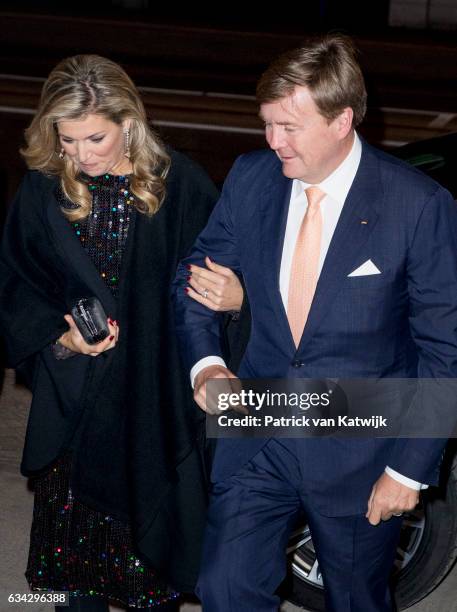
(343, 123)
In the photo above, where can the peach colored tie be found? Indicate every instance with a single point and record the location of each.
(305, 264)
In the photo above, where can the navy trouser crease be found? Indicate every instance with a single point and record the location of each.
(250, 518)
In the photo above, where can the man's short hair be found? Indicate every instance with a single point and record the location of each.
(328, 67)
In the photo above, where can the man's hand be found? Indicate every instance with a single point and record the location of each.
(208, 402)
(388, 498)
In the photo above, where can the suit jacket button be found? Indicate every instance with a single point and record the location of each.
(297, 363)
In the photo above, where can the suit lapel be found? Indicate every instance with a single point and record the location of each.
(357, 221)
(274, 207)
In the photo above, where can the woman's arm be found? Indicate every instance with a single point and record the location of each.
(226, 294)
(73, 341)
(31, 301)
(32, 294)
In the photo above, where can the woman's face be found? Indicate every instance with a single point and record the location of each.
(95, 144)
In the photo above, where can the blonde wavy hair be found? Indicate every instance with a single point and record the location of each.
(90, 84)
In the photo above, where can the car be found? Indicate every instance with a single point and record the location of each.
(428, 542)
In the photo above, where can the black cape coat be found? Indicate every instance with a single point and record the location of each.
(128, 416)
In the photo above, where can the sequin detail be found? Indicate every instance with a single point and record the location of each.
(74, 548)
(103, 233)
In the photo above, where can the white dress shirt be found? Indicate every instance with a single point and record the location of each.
(336, 188)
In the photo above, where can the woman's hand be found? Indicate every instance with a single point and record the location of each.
(73, 340)
(216, 287)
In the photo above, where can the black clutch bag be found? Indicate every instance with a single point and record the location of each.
(90, 319)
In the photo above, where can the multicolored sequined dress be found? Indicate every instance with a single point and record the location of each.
(72, 547)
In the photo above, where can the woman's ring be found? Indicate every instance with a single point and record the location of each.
(205, 293)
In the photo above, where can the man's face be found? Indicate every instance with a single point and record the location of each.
(309, 147)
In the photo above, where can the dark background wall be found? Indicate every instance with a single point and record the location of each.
(197, 69)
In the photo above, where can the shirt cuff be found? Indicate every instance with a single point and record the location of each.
(204, 363)
(409, 482)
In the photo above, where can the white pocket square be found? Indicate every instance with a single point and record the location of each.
(366, 269)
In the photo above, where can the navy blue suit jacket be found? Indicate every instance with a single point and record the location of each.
(401, 323)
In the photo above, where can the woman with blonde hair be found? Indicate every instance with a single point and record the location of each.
(114, 441)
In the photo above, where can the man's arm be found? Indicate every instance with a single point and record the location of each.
(198, 327)
(409, 482)
(432, 285)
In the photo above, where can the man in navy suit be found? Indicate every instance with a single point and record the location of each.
(383, 303)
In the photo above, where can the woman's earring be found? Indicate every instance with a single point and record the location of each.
(127, 143)
(62, 153)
